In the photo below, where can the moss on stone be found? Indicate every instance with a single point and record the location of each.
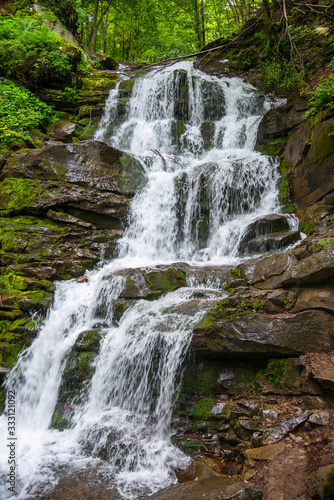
(236, 273)
(11, 281)
(202, 409)
(305, 226)
(18, 193)
(88, 341)
(206, 321)
(169, 280)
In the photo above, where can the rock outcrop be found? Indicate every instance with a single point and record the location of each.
(62, 209)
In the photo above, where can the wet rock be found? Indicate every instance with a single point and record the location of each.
(268, 452)
(62, 131)
(319, 298)
(222, 487)
(151, 283)
(278, 432)
(126, 87)
(317, 268)
(259, 270)
(270, 242)
(266, 336)
(213, 101)
(271, 223)
(169, 279)
(89, 164)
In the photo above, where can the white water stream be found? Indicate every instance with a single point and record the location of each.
(205, 184)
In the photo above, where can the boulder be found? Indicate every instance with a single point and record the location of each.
(91, 164)
(150, 283)
(270, 242)
(62, 130)
(272, 223)
(265, 336)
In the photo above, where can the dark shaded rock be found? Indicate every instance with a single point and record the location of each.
(222, 487)
(266, 336)
(277, 122)
(272, 223)
(213, 101)
(270, 242)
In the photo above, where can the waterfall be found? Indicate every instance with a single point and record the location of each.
(195, 136)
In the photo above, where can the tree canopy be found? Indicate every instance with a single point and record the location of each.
(147, 30)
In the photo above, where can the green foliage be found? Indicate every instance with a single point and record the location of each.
(20, 110)
(202, 409)
(282, 76)
(32, 53)
(305, 226)
(257, 304)
(322, 97)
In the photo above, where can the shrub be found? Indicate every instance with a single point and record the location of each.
(33, 54)
(20, 110)
(322, 96)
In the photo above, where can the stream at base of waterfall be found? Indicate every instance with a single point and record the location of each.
(194, 135)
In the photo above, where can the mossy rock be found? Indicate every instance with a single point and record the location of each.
(168, 280)
(88, 341)
(126, 87)
(78, 371)
(202, 409)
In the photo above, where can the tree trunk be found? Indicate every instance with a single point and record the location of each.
(102, 33)
(197, 25)
(203, 24)
(266, 15)
(105, 35)
(98, 24)
(94, 29)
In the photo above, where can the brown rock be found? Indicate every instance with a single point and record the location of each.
(223, 488)
(268, 452)
(321, 367)
(266, 335)
(315, 298)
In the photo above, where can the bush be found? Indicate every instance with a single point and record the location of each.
(20, 110)
(322, 96)
(32, 54)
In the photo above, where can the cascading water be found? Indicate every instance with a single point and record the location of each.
(195, 136)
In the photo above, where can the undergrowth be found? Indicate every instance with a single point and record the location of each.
(32, 53)
(20, 111)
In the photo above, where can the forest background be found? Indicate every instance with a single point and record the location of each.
(102, 33)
